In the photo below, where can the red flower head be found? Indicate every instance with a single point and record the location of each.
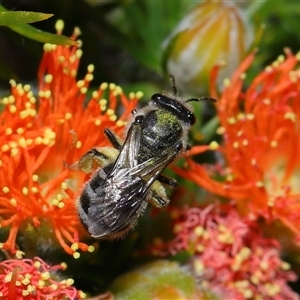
(229, 255)
(34, 279)
(261, 131)
(35, 138)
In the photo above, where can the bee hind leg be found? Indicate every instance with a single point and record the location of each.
(158, 196)
(97, 157)
(168, 181)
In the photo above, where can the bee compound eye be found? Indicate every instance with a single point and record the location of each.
(139, 119)
(191, 118)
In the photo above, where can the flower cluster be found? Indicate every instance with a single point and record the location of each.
(35, 140)
(260, 128)
(34, 279)
(229, 255)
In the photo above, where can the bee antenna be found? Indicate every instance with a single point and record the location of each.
(172, 78)
(201, 99)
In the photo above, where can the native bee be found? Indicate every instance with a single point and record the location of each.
(128, 175)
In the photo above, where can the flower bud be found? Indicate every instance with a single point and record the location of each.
(211, 33)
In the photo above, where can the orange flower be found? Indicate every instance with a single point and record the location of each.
(261, 132)
(35, 138)
(34, 279)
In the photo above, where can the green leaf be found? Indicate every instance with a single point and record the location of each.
(9, 18)
(39, 35)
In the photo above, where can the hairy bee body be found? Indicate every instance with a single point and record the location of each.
(128, 176)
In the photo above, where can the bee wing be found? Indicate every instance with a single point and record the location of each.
(119, 201)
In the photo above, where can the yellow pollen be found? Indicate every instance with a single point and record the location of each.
(37, 264)
(72, 59)
(68, 116)
(82, 294)
(213, 145)
(12, 109)
(120, 123)
(70, 281)
(38, 140)
(47, 94)
(74, 246)
(285, 266)
(199, 231)
(198, 266)
(80, 84)
(274, 144)
(5, 148)
(25, 293)
(41, 284)
(83, 90)
(290, 116)
(19, 254)
(11, 99)
(54, 202)
(78, 144)
(35, 177)
(112, 86)
(103, 102)
(89, 77)
(25, 190)
(13, 202)
(231, 120)
(268, 69)
(250, 116)
(59, 25)
(34, 189)
(245, 143)
(8, 131)
(41, 94)
(264, 265)
(221, 130)
(272, 289)
(14, 152)
(259, 184)
(26, 88)
(23, 114)
(73, 73)
(48, 78)
(45, 275)
(103, 86)
(113, 118)
(78, 52)
(13, 83)
(28, 105)
(118, 90)
(95, 94)
(91, 68)
(139, 94)
(76, 255)
(226, 82)
(64, 186)
(61, 205)
(5, 101)
(64, 265)
(235, 145)
(20, 130)
(110, 112)
(91, 248)
(298, 55)
(5, 189)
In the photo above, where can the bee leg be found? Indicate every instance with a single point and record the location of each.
(158, 197)
(95, 158)
(167, 181)
(113, 138)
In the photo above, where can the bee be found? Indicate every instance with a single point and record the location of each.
(128, 175)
